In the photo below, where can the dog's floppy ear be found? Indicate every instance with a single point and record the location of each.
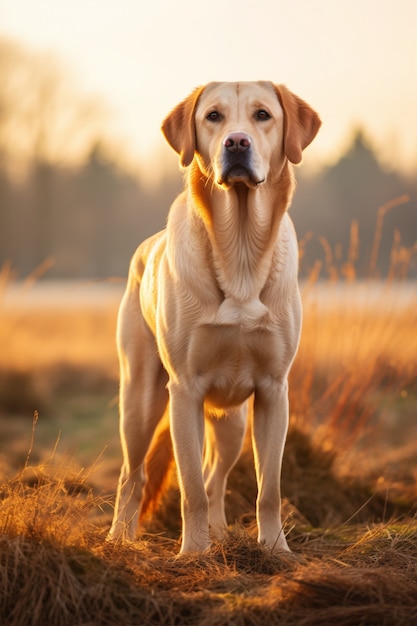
(179, 127)
(301, 123)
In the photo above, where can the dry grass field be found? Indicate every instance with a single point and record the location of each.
(349, 477)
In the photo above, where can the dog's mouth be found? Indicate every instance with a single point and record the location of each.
(239, 173)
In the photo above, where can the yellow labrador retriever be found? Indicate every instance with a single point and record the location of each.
(212, 313)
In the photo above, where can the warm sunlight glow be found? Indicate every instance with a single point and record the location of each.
(356, 61)
(85, 176)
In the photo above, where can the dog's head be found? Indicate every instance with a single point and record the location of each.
(241, 132)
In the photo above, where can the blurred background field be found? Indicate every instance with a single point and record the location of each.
(59, 358)
(353, 384)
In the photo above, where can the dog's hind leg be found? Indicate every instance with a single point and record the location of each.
(143, 399)
(223, 444)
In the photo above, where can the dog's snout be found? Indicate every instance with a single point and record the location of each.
(237, 142)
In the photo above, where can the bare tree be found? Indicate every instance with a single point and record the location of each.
(44, 122)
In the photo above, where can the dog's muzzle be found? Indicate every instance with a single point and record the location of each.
(236, 161)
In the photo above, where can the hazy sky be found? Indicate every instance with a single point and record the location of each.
(355, 61)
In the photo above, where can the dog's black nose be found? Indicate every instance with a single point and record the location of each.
(237, 142)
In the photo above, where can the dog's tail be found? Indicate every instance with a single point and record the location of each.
(158, 463)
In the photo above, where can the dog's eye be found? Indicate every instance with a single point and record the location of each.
(214, 116)
(262, 115)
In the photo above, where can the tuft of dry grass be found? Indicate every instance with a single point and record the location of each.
(56, 568)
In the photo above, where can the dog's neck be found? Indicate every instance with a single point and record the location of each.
(242, 225)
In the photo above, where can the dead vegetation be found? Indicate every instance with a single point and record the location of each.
(56, 568)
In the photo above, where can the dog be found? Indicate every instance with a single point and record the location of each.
(211, 315)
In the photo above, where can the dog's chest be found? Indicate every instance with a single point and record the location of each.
(227, 362)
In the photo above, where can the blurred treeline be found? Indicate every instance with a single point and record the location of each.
(68, 202)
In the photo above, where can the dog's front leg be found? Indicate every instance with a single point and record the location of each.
(270, 425)
(187, 430)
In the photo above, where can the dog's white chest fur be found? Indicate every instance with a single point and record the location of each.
(249, 315)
